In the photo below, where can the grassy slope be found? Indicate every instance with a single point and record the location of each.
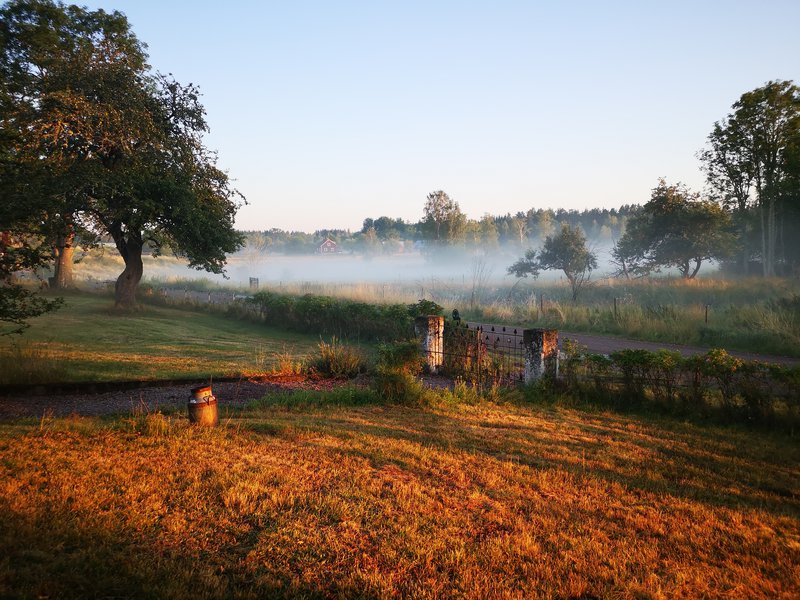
(373, 501)
(88, 340)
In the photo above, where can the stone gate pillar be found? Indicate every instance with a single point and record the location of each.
(541, 353)
(430, 333)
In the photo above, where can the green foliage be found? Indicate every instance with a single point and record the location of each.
(397, 372)
(527, 265)
(565, 251)
(443, 223)
(324, 315)
(338, 360)
(397, 386)
(752, 162)
(404, 356)
(18, 305)
(100, 144)
(715, 382)
(425, 308)
(674, 229)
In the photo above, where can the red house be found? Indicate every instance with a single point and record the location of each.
(327, 247)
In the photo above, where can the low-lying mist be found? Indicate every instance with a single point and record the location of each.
(454, 267)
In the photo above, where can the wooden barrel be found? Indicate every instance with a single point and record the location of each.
(203, 407)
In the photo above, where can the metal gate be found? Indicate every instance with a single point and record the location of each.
(483, 354)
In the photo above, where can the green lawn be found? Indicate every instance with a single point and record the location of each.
(88, 340)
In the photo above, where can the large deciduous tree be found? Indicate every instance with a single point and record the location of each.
(676, 228)
(116, 149)
(749, 163)
(19, 251)
(564, 251)
(443, 219)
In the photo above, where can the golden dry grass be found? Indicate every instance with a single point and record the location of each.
(385, 502)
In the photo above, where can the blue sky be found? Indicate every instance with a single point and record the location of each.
(325, 113)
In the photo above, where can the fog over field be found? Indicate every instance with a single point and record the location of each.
(456, 268)
(355, 268)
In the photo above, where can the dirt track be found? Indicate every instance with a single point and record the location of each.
(239, 393)
(599, 344)
(145, 399)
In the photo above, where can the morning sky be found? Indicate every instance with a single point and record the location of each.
(329, 112)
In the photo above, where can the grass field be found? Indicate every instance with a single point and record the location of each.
(87, 340)
(752, 315)
(320, 501)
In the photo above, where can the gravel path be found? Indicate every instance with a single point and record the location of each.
(601, 344)
(166, 397)
(146, 399)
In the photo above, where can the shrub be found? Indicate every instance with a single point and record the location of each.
(339, 360)
(399, 364)
(286, 363)
(398, 386)
(325, 315)
(721, 367)
(634, 366)
(403, 357)
(425, 308)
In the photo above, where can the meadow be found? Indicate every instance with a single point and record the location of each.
(748, 314)
(88, 340)
(332, 495)
(356, 493)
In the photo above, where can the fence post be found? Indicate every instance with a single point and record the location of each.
(541, 353)
(430, 332)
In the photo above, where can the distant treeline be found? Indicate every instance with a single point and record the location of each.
(385, 235)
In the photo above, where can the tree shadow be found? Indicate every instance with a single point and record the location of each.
(717, 470)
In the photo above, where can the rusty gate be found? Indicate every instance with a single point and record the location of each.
(483, 354)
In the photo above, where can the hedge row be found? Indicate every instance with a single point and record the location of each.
(346, 319)
(744, 390)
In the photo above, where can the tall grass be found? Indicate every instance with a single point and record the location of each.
(23, 362)
(755, 314)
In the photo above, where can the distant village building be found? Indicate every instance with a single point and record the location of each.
(328, 247)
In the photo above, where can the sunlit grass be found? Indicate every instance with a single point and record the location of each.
(384, 501)
(87, 340)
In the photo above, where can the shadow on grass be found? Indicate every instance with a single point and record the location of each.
(716, 466)
(73, 560)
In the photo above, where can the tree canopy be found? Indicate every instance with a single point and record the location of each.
(443, 219)
(751, 160)
(676, 228)
(564, 251)
(112, 147)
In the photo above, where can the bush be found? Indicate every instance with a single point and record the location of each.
(346, 319)
(397, 386)
(424, 308)
(396, 378)
(339, 360)
(403, 357)
(713, 382)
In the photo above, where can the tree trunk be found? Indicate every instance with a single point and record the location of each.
(697, 263)
(63, 251)
(764, 257)
(128, 281)
(745, 245)
(772, 237)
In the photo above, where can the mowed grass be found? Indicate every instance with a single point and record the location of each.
(88, 340)
(369, 501)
